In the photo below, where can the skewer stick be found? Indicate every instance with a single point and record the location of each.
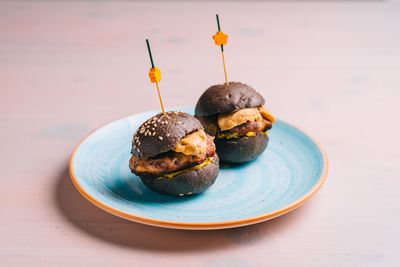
(223, 61)
(155, 76)
(151, 56)
(219, 29)
(159, 96)
(222, 49)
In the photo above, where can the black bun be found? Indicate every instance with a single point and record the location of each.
(162, 133)
(225, 99)
(242, 149)
(190, 183)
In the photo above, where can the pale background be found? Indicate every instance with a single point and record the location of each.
(332, 68)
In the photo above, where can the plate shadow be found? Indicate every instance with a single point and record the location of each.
(121, 232)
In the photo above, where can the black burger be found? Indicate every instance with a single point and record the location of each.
(235, 115)
(172, 154)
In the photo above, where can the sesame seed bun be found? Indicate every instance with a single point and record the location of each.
(225, 99)
(186, 184)
(242, 149)
(162, 133)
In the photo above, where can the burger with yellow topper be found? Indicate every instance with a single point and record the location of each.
(171, 152)
(234, 113)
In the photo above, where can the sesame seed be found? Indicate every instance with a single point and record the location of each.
(138, 150)
(168, 135)
(155, 124)
(138, 143)
(153, 129)
(154, 133)
(142, 130)
(189, 193)
(134, 146)
(181, 195)
(160, 137)
(166, 122)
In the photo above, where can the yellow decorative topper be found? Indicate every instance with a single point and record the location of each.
(155, 75)
(220, 38)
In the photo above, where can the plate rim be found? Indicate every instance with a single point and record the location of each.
(198, 225)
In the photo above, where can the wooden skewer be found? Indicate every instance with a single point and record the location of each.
(226, 75)
(222, 52)
(159, 96)
(155, 76)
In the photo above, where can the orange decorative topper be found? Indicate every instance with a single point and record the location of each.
(155, 75)
(220, 38)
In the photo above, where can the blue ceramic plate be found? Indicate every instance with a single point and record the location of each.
(289, 172)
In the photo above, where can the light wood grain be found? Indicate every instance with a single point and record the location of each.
(332, 68)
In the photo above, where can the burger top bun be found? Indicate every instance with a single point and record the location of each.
(162, 133)
(225, 99)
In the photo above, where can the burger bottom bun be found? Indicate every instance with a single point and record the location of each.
(190, 183)
(242, 149)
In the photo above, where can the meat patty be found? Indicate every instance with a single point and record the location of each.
(211, 127)
(257, 126)
(169, 162)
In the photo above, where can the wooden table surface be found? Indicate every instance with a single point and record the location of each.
(332, 68)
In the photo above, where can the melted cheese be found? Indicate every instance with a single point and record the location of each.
(194, 168)
(266, 113)
(241, 116)
(193, 144)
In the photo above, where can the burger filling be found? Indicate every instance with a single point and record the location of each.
(194, 151)
(244, 122)
(249, 128)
